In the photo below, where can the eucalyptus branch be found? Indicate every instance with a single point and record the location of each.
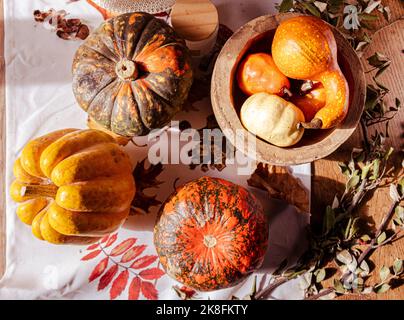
(382, 228)
(367, 170)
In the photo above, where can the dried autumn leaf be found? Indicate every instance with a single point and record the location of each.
(281, 184)
(134, 289)
(145, 178)
(67, 29)
(107, 277)
(143, 262)
(83, 32)
(111, 240)
(91, 255)
(119, 284)
(149, 290)
(151, 274)
(133, 253)
(99, 269)
(123, 247)
(184, 292)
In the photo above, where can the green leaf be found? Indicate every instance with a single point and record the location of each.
(329, 296)
(329, 220)
(321, 6)
(367, 17)
(320, 275)
(364, 268)
(384, 273)
(338, 286)
(367, 290)
(375, 169)
(381, 70)
(388, 154)
(398, 103)
(399, 215)
(344, 257)
(377, 60)
(394, 195)
(381, 238)
(398, 267)
(305, 280)
(383, 288)
(400, 186)
(365, 171)
(286, 5)
(352, 182)
(344, 168)
(312, 9)
(357, 284)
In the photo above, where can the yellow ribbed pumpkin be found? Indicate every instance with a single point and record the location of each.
(73, 186)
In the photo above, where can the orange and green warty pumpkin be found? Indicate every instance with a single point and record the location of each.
(132, 74)
(211, 234)
(73, 186)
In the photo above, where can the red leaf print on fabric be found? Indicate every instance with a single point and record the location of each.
(143, 262)
(93, 246)
(119, 284)
(91, 255)
(149, 290)
(112, 270)
(98, 270)
(134, 289)
(107, 277)
(133, 253)
(103, 240)
(111, 240)
(122, 247)
(151, 274)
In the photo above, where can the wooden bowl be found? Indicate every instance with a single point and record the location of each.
(227, 98)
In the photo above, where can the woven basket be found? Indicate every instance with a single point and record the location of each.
(116, 7)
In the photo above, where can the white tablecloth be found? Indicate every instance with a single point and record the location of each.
(39, 99)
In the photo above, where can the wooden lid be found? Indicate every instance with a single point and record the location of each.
(194, 20)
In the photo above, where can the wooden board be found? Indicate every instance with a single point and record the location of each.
(326, 179)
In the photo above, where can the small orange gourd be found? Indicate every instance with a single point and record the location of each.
(258, 73)
(73, 186)
(304, 48)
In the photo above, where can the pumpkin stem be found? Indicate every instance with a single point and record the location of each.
(313, 124)
(209, 241)
(39, 190)
(287, 92)
(126, 69)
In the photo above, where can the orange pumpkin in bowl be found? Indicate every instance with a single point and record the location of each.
(304, 48)
(258, 73)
